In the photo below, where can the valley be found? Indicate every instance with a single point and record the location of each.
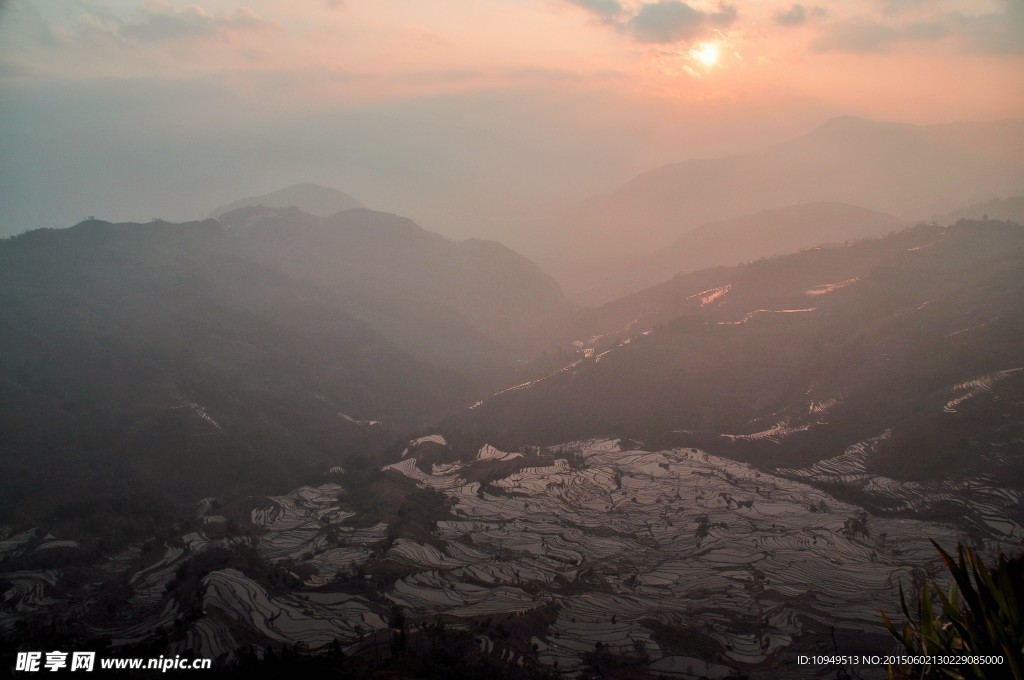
(705, 479)
(533, 340)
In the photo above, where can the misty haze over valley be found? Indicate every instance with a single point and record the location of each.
(526, 340)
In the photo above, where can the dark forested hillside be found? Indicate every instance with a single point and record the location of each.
(920, 333)
(194, 359)
(148, 358)
(469, 305)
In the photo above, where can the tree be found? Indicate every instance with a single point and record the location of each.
(981, 616)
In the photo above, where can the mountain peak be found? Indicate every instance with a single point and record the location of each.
(311, 198)
(847, 129)
(847, 121)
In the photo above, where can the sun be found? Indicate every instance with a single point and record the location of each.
(705, 53)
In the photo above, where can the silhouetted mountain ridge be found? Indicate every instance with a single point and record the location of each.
(910, 171)
(466, 304)
(205, 358)
(152, 358)
(1011, 209)
(727, 242)
(311, 198)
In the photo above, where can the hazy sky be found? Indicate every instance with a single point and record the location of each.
(466, 115)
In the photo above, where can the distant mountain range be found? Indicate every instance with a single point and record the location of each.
(1011, 208)
(728, 242)
(311, 198)
(909, 171)
(471, 305)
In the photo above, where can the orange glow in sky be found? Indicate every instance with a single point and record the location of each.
(960, 56)
(382, 96)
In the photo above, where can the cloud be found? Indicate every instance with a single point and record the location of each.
(995, 33)
(678, 21)
(794, 16)
(857, 35)
(29, 25)
(669, 21)
(897, 6)
(77, 37)
(926, 30)
(798, 14)
(606, 10)
(663, 21)
(162, 22)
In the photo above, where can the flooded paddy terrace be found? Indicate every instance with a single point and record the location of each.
(620, 538)
(616, 545)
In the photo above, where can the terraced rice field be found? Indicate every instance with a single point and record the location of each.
(619, 541)
(429, 439)
(750, 315)
(299, 527)
(748, 558)
(826, 288)
(27, 593)
(710, 295)
(35, 595)
(982, 502)
(775, 434)
(13, 543)
(973, 388)
(488, 452)
(531, 383)
(305, 526)
(231, 600)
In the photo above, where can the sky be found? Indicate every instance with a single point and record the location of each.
(468, 116)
